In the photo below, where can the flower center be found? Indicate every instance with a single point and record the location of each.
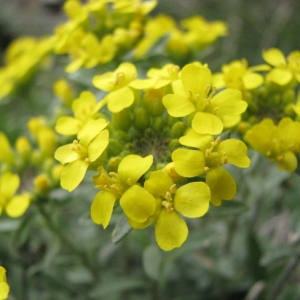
(81, 150)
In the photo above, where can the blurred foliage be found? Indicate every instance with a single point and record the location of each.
(250, 249)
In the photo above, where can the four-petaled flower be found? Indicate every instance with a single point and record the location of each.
(117, 83)
(193, 95)
(136, 202)
(77, 156)
(190, 200)
(209, 160)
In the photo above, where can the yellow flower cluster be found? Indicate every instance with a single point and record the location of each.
(157, 143)
(140, 137)
(271, 90)
(99, 31)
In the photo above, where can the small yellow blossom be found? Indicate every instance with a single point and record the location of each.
(14, 204)
(278, 143)
(157, 78)
(91, 143)
(190, 200)
(285, 70)
(118, 84)
(210, 157)
(85, 108)
(193, 94)
(137, 203)
(239, 76)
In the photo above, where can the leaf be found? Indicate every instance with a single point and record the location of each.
(276, 253)
(116, 285)
(152, 262)
(121, 230)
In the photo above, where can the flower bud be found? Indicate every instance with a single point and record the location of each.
(114, 147)
(122, 120)
(141, 119)
(23, 148)
(63, 90)
(42, 183)
(153, 102)
(158, 124)
(289, 96)
(178, 129)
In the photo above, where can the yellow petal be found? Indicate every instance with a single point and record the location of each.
(4, 290)
(178, 105)
(236, 152)
(98, 145)
(196, 78)
(197, 140)
(72, 174)
(222, 185)
(133, 166)
(205, 123)
(170, 230)
(138, 204)
(68, 125)
(150, 220)
(274, 57)
(120, 99)
(230, 121)
(281, 76)
(288, 163)
(6, 153)
(188, 163)
(2, 274)
(9, 184)
(252, 81)
(17, 206)
(102, 207)
(91, 129)
(192, 199)
(158, 183)
(65, 155)
(228, 102)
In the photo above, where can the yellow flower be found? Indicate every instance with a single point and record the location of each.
(77, 156)
(14, 205)
(209, 160)
(63, 90)
(137, 203)
(22, 58)
(44, 135)
(85, 108)
(278, 143)
(190, 200)
(201, 33)
(117, 83)
(4, 287)
(134, 6)
(193, 95)
(284, 71)
(237, 75)
(154, 29)
(6, 152)
(157, 78)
